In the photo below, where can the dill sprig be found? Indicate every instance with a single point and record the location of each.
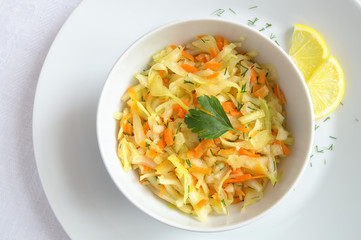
(251, 23)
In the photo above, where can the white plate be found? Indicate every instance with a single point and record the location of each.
(85, 200)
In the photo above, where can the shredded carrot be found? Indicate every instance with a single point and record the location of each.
(253, 76)
(214, 75)
(187, 55)
(162, 190)
(228, 151)
(256, 87)
(285, 149)
(236, 171)
(201, 204)
(161, 72)
(165, 80)
(240, 193)
(146, 127)
(168, 137)
(243, 178)
(212, 192)
(189, 68)
(261, 77)
(143, 143)
(243, 151)
(173, 46)
(236, 200)
(275, 90)
(201, 58)
(213, 53)
(181, 112)
(274, 132)
(161, 165)
(230, 108)
(219, 41)
(152, 153)
(161, 143)
(132, 93)
(143, 180)
(146, 168)
(202, 148)
(225, 42)
(127, 128)
(282, 97)
(213, 65)
(200, 170)
(200, 36)
(242, 129)
(261, 93)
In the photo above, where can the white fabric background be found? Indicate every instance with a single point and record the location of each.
(27, 29)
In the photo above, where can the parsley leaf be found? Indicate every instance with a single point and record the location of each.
(210, 124)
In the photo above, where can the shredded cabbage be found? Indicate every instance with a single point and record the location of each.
(194, 175)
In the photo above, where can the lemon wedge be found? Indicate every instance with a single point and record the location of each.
(308, 49)
(326, 86)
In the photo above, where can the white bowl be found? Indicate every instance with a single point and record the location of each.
(299, 111)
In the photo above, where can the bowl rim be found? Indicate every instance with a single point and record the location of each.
(160, 218)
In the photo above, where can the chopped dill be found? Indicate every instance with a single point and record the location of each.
(326, 119)
(230, 9)
(318, 150)
(218, 12)
(253, 7)
(189, 163)
(250, 22)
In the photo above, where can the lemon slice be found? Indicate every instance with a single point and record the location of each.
(326, 86)
(308, 49)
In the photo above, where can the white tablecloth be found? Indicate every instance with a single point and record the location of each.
(27, 29)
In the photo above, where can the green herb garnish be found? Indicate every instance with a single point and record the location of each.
(272, 36)
(230, 9)
(320, 151)
(277, 43)
(262, 29)
(125, 133)
(211, 124)
(250, 22)
(252, 108)
(189, 163)
(243, 89)
(189, 82)
(268, 25)
(225, 71)
(179, 124)
(218, 12)
(331, 147)
(332, 137)
(326, 119)
(316, 126)
(253, 7)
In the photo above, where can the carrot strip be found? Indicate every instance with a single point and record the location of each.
(146, 127)
(201, 58)
(282, 97)
(214, 75)
(261, 77)
(132, 93)
(243, 151)
(161, 143)
(260, 93)
(253, 76)
(165, 80)
(228, 151)
(162, 190)
(200, 170)
(236, 200)
(173, 46)
(200, 36)
(128, 129)
(152, 153)
(256, 87)
(201, 204)
(161, 72)
(213, 53)
(275, 90)
(189, 68)
(187, 55)
(202, 148)
(243, 178)
(242, 129)
(161, 165)
(213, 65)
(219, 41)
(240, 193)
(285, 149)
(168, 137)
(225, 42)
